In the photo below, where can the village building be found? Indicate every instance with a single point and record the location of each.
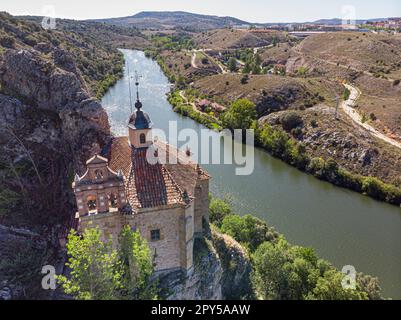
(167, 202)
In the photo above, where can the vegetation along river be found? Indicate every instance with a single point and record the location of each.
(344, 227)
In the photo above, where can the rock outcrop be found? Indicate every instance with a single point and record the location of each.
(222, 270)
(203, 283)
(49, 125)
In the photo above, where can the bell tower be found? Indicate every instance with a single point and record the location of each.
(139, 125)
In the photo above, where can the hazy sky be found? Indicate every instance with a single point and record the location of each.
(249, 10)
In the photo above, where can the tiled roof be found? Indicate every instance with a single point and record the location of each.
(151, 185)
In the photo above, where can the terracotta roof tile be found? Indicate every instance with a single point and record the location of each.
(150, 185)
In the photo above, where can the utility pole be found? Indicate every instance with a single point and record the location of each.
(337, 99)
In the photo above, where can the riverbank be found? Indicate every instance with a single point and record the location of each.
(281, 145)
(343, 227)
(280, 270)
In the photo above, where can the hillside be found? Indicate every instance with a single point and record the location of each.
(375, 53)
(100, 65)
(234, 39)
(270, 93)
(106, 34)
(173, 19)
(49, 125)
(371, 61)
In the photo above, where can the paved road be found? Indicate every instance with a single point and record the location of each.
(348, 107)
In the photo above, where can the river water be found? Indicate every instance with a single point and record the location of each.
(343, 227)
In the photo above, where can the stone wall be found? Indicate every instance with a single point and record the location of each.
(201, 206)
(175, 247)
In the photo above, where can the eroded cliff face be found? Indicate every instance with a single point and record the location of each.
(49, 126)
(221, 271)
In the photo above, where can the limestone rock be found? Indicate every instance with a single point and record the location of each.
(203, 283)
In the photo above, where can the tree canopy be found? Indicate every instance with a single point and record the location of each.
(241, 115)
(100, 272)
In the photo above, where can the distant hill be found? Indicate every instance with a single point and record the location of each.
(196, 22)
(336, 21)
(174, 19)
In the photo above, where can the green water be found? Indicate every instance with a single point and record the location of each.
(342, 226)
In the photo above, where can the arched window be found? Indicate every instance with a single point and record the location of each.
(98, 174)
(113, 201)
(142, 138)
(91, 203)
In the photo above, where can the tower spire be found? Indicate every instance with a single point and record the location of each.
(138, 103)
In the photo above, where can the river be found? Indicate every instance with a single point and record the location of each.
(343, 227)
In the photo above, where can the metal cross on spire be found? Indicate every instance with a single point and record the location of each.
(137, 77)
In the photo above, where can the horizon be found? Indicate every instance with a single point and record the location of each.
(255, 11)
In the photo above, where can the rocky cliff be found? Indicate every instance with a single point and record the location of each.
(49, 125)
(221, 271)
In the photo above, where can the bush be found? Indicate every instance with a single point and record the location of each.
(7, 42)
(218, 210)
(241, 115)
(245, 79)
(346, 94)
(286, 272)
(248, 230)
(291, 120)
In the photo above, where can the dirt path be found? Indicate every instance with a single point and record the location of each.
(204, 52)
(193, 61)
(348, 107)
(182, 95)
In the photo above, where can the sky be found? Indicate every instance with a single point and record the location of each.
(248, 10)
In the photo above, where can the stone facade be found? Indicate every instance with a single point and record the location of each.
(167, 203)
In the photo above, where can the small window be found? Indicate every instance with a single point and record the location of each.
(155, 235)
(142, 138)
(98, 175)
(91, 203)
(113, 201)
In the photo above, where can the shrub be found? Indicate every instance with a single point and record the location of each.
(313, 123)
(346, 94)
(286, 272)
(241, 115)
(218, 210)
(248, 230)
(291, 120)
(7, 42)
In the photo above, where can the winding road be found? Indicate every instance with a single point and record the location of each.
(348, 107)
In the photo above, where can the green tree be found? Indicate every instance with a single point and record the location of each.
(291, 120)
(241, 115)
(232, 64)
(258, 60)
(137, 266)
(283, 271)
(100, 272)
(95, 268)
(218, 210)
(256, 69)
(247, 68)
(329, 287)
(248, 230)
